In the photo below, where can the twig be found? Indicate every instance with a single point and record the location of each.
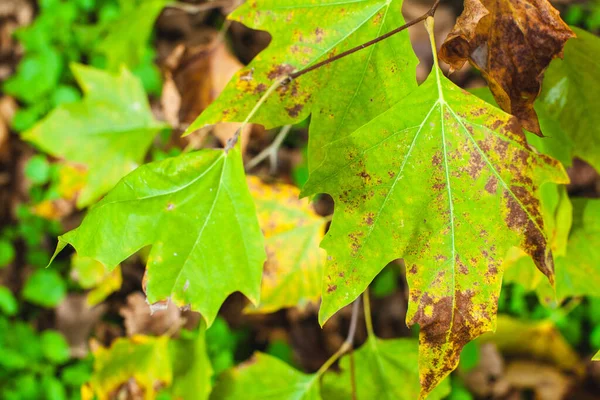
(370, 43)
(347, 345)
(271, 151)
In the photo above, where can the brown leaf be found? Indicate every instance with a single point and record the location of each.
(511, 42)
(140, 320)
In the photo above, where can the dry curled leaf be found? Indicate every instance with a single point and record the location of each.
(511, 43)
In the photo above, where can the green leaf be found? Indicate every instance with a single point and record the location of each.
(143, 358)
(449, 183)
(192, 371)
(55, 347)
(127, 37)
(343, 95)
(37, 75)
(109, 131)
(384, 369)
(37, 169)
(196, 212)
(8, 303)
(596, 357)
(293, 231)
(570, 95)
(265, 377)
(45, 287)
(7, 253)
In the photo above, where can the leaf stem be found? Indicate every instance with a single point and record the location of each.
(429, 13)
(368, 321)
(347, 345)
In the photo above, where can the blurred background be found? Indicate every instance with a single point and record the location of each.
(57, 323)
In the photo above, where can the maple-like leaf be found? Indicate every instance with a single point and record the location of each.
(293, 231)
(384, 369)
(570, 95)
(511, 43)
(266, 377)
(343, 95)
(447, 182)
(143, 358)
(109, 131)
(196, 212)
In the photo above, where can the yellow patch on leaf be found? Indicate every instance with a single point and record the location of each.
(293, 231)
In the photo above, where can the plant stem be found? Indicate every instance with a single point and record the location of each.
(270, 151)
(368, 321)
(429, 13)
(347, 345)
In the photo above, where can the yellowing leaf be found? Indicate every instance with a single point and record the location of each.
(447, 182)
(342, 96)
(143, 358)
(293, 231)
(511, 43)
(596, 357)
(540, 340)
(196, 212)
(109, 131)
(91, 274)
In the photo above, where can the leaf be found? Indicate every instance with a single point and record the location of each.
(293, 231)
(577, 267)
(596, 357)
(570, 95)
(384, 369)
(511, 43)
(45, 288)
(192, 371)
(540, 340)
(127, 37)
(143, 358)
(343, 95)
(109, 131)
(449, 183)
(265, 377)
(196, 212)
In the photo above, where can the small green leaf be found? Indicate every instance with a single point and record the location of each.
(196, 212)
(596, 357)
(8, 303)
(127, 37)
(384, 369)
(265, 377)
(45, 287)
(109, 131)
(7, 253)
(55, 347)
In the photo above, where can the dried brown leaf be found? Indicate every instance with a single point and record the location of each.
(511, 43)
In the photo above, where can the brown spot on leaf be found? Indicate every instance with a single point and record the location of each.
(331, 288)
(492, 185)
(279, 71)
(295, 110)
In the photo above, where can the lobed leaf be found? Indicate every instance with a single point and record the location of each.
(196, 212)
(343, 95)
(109, 131)
(449, 183)
(293, 231)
